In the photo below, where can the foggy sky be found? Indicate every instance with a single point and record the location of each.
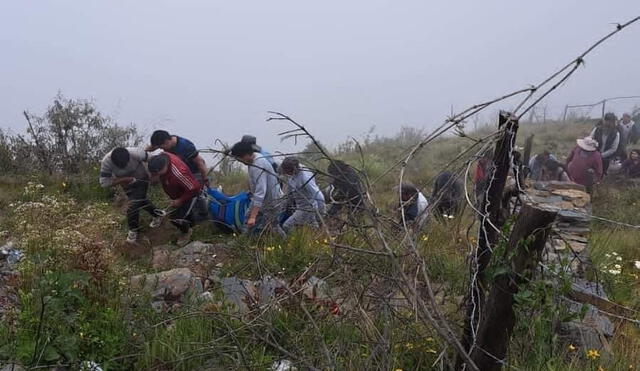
(212, 69)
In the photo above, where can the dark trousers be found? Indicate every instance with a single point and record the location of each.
(605, 164)
(137, 195)
(182, 217)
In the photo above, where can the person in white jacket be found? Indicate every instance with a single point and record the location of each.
(414, 205)
(304, 192)
(265, 189)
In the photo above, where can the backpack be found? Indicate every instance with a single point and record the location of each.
(228, 211)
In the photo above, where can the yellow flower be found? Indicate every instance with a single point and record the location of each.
(399, 369)
(593, 354)
(409, 346)
(600, 368)
(572, 347)
(425, 238)
(270, 248)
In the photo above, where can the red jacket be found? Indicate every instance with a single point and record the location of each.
(580, 162)
(178, 182)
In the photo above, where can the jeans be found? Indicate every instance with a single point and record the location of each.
(137, 195)
(182, 217)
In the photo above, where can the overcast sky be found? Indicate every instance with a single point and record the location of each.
(211, 69)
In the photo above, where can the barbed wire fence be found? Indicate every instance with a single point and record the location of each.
(383, 239)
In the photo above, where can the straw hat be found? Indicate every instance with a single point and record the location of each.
(588, 144)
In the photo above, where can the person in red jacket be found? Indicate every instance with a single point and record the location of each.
(584, 163)
(181, 186)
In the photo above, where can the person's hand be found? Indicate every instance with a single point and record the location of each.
(251, 222)
(176, 204)
(132, 181)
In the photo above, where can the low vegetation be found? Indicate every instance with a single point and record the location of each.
(76, 305)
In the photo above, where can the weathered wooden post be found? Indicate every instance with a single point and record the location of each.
(520, 257)
(489, 221)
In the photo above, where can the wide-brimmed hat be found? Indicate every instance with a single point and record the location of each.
(588, 144)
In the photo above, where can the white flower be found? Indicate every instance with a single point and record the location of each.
(637, 264)
(607, 255)
(614, 271)
(617, 266)
(614, 253)
(619, 258)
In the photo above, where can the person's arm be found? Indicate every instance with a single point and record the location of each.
(598, 167)
(202, 168)
(570, 157)
(106, 175)
(259, 181)
(614, 147)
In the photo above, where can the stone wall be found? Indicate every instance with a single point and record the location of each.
(567, 252)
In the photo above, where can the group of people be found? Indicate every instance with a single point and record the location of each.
(182, 172)
(592, 157)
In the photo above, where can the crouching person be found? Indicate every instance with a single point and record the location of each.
(124, 167)
(264, 187)
(413, 205)
(302, 188)
(182, 187)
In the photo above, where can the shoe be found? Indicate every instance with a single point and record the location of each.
(184, 239)
(132, 237)
(155, 222)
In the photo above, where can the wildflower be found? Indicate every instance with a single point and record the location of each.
(426, 238)
(270, 248)
(408, 346)
(617, 266)
(593, 354)
(607, 255)
(600, 368)
(614, 271)
(572, 347)
(614, 253)
(637, 264)
(619, 258)
(399, 369)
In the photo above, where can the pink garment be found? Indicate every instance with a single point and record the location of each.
(580, 162)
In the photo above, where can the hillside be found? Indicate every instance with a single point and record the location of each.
(80, 295)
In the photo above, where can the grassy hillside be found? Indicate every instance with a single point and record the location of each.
(76, 303)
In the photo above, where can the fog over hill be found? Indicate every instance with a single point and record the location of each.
(212, 69)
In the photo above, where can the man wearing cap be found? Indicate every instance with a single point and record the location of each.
(125, 167)
(184, 149)
(181, 186)
(264, 187)
(584, 163)
(304, 192)
(253, 141)
(607, 137)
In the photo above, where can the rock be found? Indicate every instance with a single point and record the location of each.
(555, 185)
(587, 287)
(584, 337)
(242, 293)
(283, 365)
(198, 256)
(270, 288)
(316, 288)
(12, 367)
(174, 284)
(205, 297)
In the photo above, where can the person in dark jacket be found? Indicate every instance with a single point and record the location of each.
(608, 137)
(447, 195)
(345, 188)
(631, 166)
(184, 149)
(182, 187)
(414, 206)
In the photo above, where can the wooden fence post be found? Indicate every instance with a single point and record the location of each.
(526, 243)
(490, 220)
